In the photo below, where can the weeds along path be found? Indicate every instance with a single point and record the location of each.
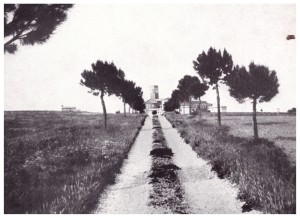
(131, 191)
(167, 195)
(204, 191)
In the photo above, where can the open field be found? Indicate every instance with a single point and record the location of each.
(279, 129)
(60, 162)
(263, 171)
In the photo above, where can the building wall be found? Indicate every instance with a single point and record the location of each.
(154, 92)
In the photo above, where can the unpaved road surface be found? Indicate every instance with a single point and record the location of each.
(203, 191)
(131, 190)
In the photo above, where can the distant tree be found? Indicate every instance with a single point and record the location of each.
(184, 89)
(138, 102)
(259, 84)
(102, 80)
(132, 95)
(190, 86)
(197, 90)
(31, 23)
(213, 68)
(128, 93)
(292, 111)
(174, 102)
(120, 87)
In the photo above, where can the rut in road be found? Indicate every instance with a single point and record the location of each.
(198, 188)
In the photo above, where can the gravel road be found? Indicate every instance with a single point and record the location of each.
(203, 191)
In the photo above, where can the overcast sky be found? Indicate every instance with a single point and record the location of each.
(154, 45)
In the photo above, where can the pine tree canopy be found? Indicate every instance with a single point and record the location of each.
(103, 78)
(191, 86)
(258, 83)
(214, 65)
(31, 24)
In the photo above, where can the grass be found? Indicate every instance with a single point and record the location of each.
(262, 170)
(58, 162)
(280, 129)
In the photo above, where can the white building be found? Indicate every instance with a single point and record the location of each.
(155, 103)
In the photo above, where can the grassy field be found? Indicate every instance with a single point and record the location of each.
(263, 171)
(58, 162)
(279, 129)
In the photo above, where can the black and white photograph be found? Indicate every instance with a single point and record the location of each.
(150, 107)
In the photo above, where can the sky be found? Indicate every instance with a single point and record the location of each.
(154, 45)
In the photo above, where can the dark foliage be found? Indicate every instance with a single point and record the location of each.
(103, 79)
(132, 95)
(258, 84)
(174, 102)
(292, 111)
(31, 23)
(190, 86)
(212, 67)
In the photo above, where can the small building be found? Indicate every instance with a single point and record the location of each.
(68, 109)
(185, 106)
(215, 109)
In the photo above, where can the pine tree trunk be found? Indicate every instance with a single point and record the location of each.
(124, 107)
(254, 119)
(190, 105)
(218, 104)
(104, 110)
(200, 107)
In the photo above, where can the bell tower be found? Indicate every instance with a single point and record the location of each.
(154, 92)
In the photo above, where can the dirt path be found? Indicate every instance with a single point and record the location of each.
(204, 191)
(130, 193)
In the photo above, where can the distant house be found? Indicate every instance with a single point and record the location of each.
(215, 109)
(185, 106)
(68, 109)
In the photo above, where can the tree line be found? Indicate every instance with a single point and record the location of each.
(30, 24)
(257, 83)
(106, 79)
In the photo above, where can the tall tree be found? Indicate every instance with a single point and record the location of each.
(174, 102)
(184, 87)
(258, 84)
(120, 87)
(198, 89)
(128, 93)
(138, 101)
(102, 80)
(31, 24)
(214, 66)
(190, 87)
